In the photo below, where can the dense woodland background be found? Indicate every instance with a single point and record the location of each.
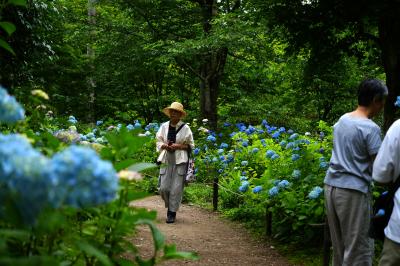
(291, 62)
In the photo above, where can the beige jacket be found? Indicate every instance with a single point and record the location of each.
(184, 136)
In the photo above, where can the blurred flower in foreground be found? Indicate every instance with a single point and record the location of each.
(130, 175)
(40, 94)
(10, 110)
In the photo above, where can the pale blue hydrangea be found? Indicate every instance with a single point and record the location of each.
(211, 138)
(270, 153)
(243, 178)
(290, 145)
(273, 191)
(244, 163)
(83, 179)
(25, 177)
(137, 124)
(315, 192)
(220, 151)
(72, 119)
(274, 157)
(257, 189)
(10, 110)
(283, 184)
(130, 127)
(215, 159)
(296, 174)
(295, 157)
(397, 102)
(255, 150)
(244, 186)
(282, 129)
(99, 123)
(223, 145)
(290, 131)
(294, 136)
(283, 143)
(245, 143)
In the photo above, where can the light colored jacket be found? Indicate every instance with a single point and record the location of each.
(184, 136)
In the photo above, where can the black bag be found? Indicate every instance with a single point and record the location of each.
(382, 210)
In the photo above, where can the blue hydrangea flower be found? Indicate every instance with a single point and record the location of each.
(25, 177)
(397, 103)
(72, 119)
(243, 178)
(282, 143)
(99, 122)
(381, 212)
(222, 158)
(315, 192)
(244, 173)
(270, 153)
(226, 124)
(130, 127)
(283, 184)
(264, 123)
(215, 159)
(290, 131)
(274, 157)
(257, 189)
(255, 150)
(244, 163)
(220, 151)
(295, 157)
(196, 151)
(10, 110)
(321, 150)
(263, 142)
(276, 135)
(244, 186)
(137, 124)
(296, 173)
(232, 134)
(223, 145)
(220, 171)
(290, 145)
(323, 165)
(282, 129)
(245, 143)
(294, 136)
(260, 131)
(273, 191)
(83, 179)
(211, 138)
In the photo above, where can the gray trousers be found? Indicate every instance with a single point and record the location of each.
(348, 212)
(172, 183)
(390, 253)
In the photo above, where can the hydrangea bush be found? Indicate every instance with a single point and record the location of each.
(71, 207)
(266, 167)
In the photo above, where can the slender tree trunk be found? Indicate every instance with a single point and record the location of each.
(91, 114)
(389, 35)
(211, 71)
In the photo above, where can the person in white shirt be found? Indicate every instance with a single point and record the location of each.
(386, 170)
(174, 140)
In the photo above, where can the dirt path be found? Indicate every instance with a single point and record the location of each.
(217, 241)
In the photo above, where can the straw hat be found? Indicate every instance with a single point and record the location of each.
(175, 106)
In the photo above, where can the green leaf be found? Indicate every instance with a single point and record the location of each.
(171, 253)
(6, 46)
(142, 166)
(123, 164)
(91, 250)
(158, 237)
(17, 2)
(8, 27)
(18, 234)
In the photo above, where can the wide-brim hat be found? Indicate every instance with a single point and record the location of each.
(174, 106)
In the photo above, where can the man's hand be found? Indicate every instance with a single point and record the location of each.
(176, 146)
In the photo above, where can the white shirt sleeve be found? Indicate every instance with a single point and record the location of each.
(386, 167)
(160, 137)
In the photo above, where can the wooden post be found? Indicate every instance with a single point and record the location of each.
(268, 221)
(215, 193)
(327, 244)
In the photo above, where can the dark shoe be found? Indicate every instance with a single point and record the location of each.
(170, 217)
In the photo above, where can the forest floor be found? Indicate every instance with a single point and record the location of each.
(216, 240)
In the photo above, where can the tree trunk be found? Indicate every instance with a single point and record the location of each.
(211, 71)
(389, 35)
(91, 114)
